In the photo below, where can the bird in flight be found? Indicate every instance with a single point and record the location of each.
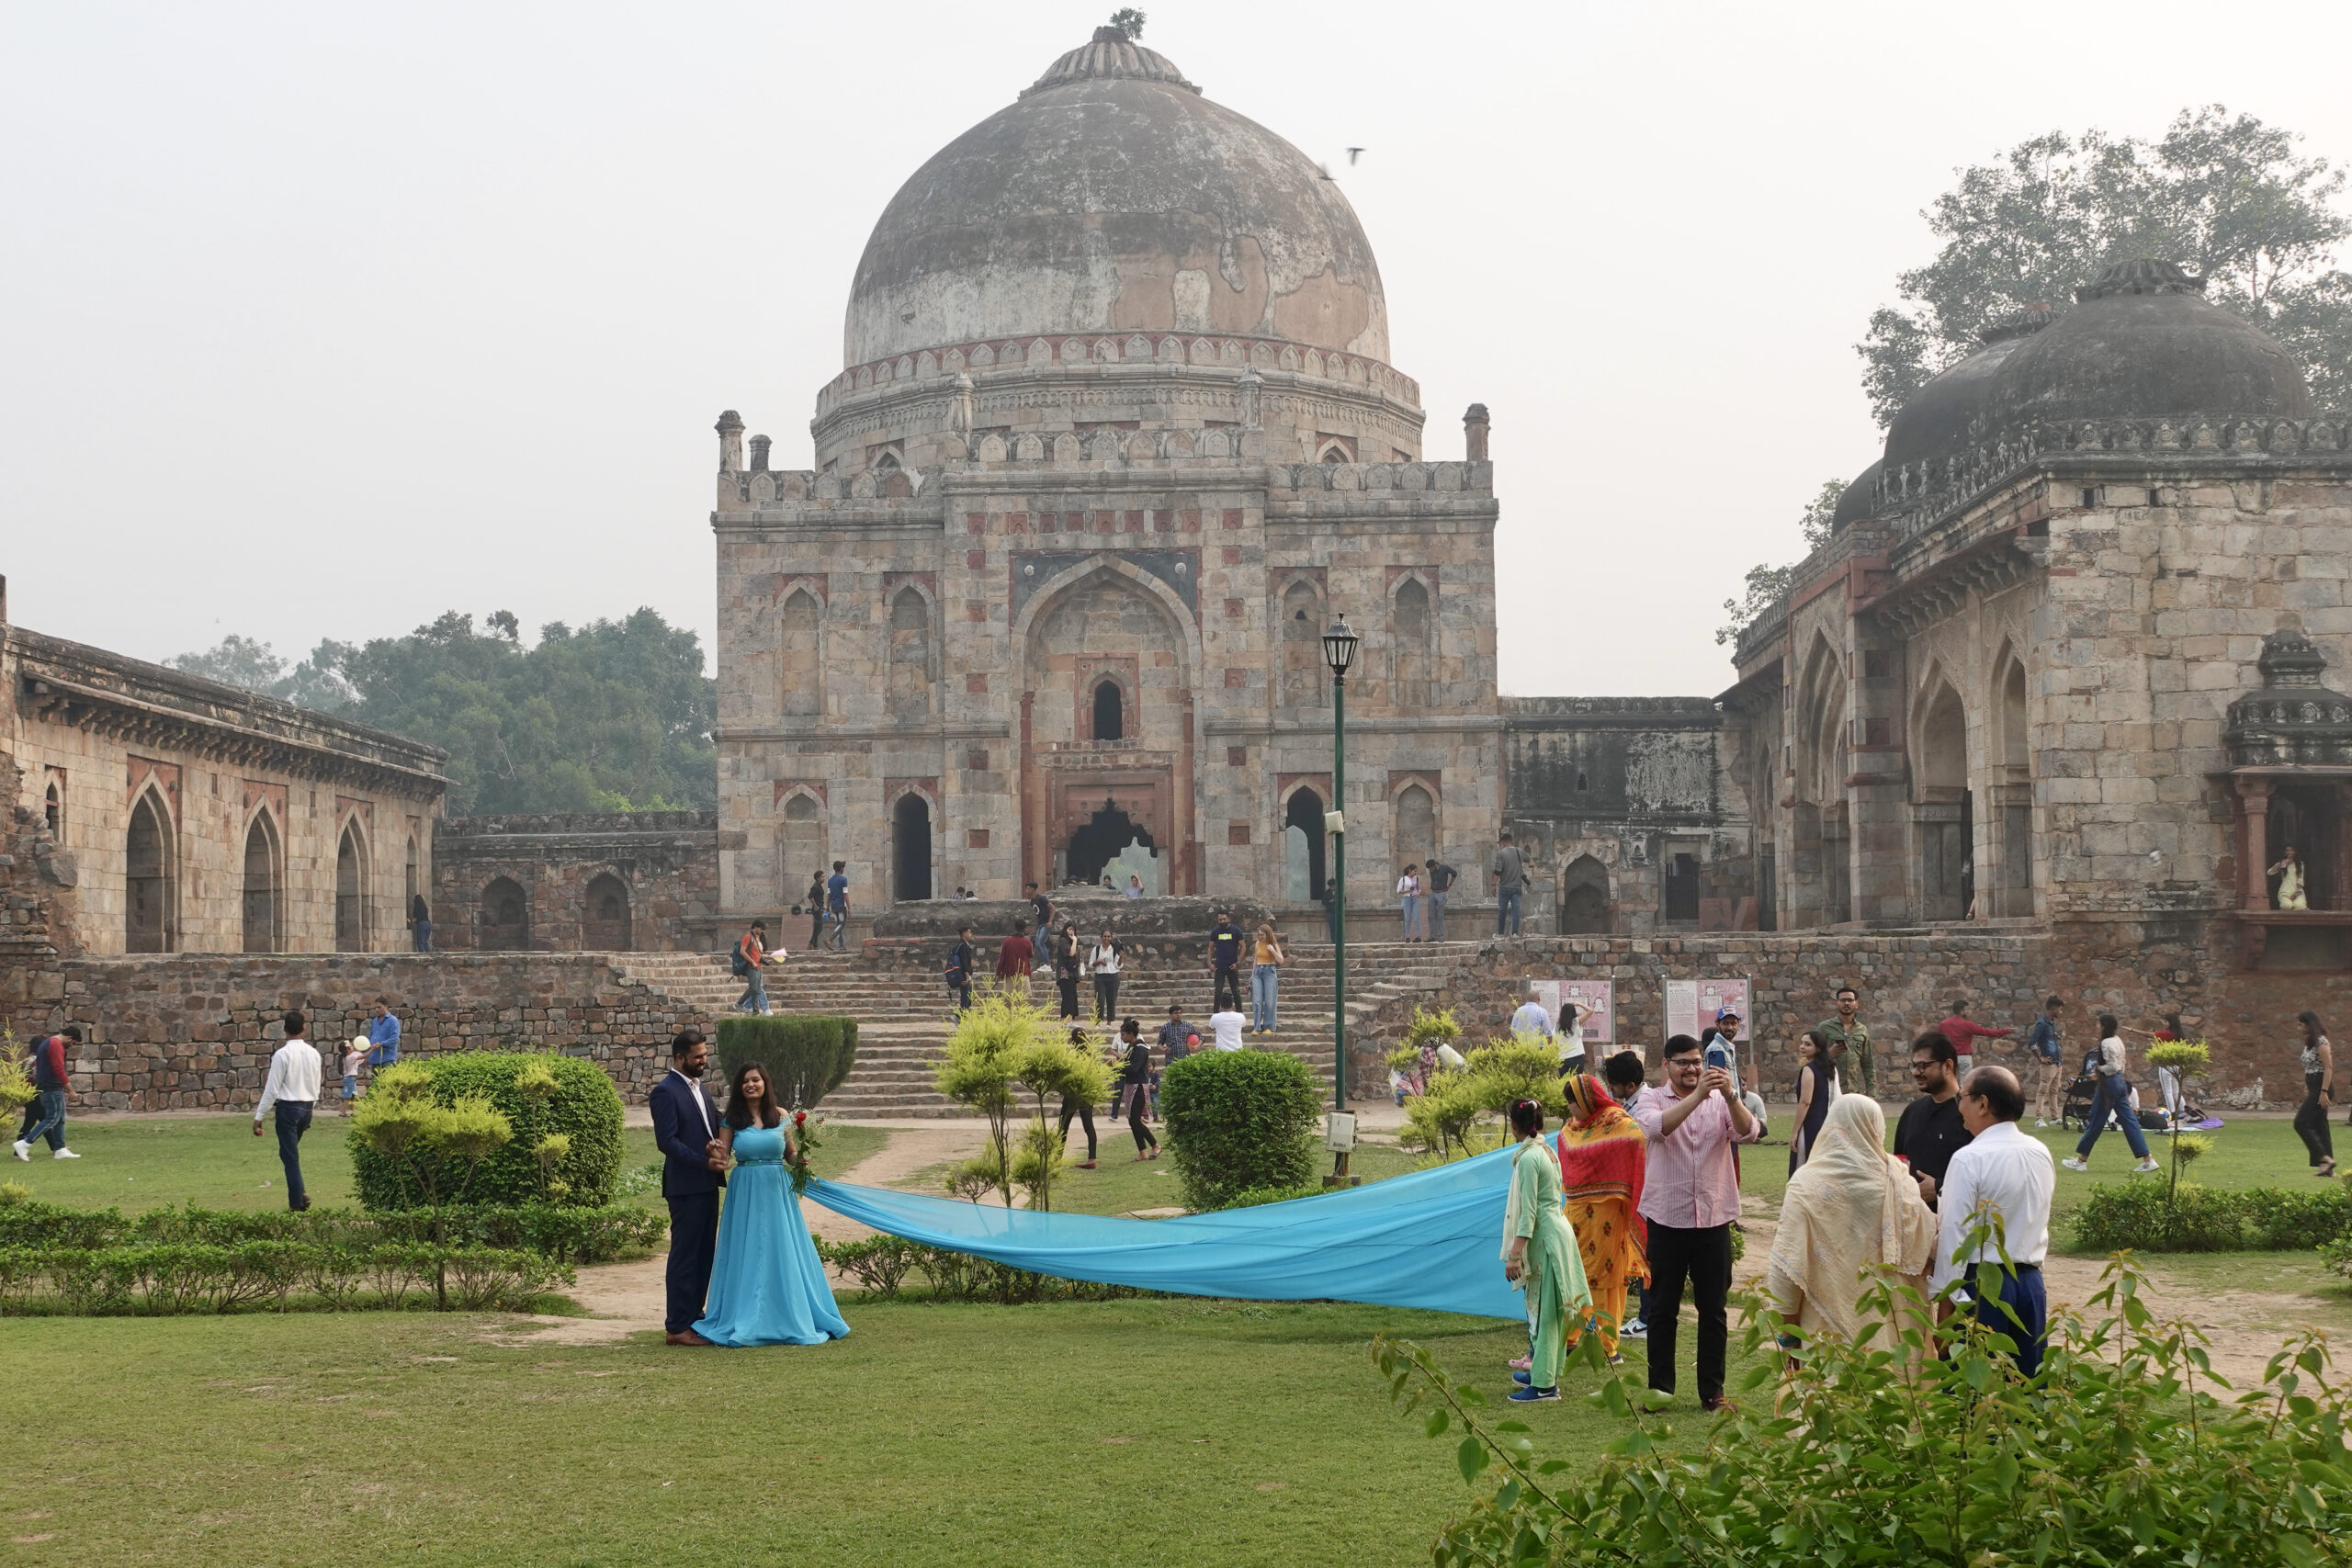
(1353, 153)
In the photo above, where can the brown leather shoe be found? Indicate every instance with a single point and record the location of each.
(687, 1337)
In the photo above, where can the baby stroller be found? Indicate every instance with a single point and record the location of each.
(2074, 1110)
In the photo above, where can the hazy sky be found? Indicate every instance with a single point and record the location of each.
(319, 319)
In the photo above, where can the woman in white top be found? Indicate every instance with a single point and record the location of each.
(1408, 893)
(1102, 962)
(2319, 1093)
(2114, 1095)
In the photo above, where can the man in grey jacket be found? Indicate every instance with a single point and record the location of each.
(1508, 871)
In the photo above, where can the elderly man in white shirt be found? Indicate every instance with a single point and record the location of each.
(2004, 1175)
(1531, 1017)
(291, 1090)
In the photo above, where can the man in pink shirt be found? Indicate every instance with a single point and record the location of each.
(1963, 1036)
(1689, 1197)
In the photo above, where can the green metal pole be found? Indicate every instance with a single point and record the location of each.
(1339, 894)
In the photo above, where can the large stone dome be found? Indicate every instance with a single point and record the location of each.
(1112, 197)
(2142, 341)
(1934, 422)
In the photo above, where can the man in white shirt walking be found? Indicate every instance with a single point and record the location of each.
(291, 1090)
(2004, 1180)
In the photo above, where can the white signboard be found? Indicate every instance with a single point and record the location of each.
(1596, 998)
(1692, 1005)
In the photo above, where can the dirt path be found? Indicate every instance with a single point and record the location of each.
(622, 1299)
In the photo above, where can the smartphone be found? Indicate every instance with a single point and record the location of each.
(1718, 1053)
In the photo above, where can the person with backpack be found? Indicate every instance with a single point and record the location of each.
(957, 972)
(1102, 962)
(45, 1113)
(750, 958)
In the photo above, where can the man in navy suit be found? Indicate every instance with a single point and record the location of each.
(694, 1161)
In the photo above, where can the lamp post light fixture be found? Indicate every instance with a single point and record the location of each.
(1340, 653)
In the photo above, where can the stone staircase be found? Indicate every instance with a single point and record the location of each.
(902, 1013)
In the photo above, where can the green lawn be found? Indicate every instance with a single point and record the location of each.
(1169, 1432)
(215, 1162)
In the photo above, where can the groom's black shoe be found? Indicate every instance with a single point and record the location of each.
(686, 1337)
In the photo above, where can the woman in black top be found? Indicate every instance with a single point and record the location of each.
(2319, 1093)
(1067, 963)
(1135, 1088)
(815, 899)
(1816, 1087)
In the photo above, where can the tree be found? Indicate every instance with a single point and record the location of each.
(2228, 197)
(615, 716)
(1766, 583)
(1129, 21)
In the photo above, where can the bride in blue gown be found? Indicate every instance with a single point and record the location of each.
(766, 1284)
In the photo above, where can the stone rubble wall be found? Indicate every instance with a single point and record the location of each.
(194, 1031)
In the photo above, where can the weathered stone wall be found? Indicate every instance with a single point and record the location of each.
(661, 865)
(194, 1030)
(215, 766)
(36, 905)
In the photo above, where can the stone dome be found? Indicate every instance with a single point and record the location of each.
(1112, 197)
(1858, 500)
(2144, 340)
(1934, 422)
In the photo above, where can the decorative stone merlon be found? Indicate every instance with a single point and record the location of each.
(2293, 720)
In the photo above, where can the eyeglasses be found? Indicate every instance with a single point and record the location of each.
(1924, 1065)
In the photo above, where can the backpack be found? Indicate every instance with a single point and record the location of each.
(739, 964)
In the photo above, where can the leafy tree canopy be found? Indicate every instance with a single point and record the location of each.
(615, 717)
(1766, 583)
(2227, 198)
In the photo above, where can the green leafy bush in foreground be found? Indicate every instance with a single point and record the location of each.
(2146, 1218)
(1239, 1120)
(2126, 1449)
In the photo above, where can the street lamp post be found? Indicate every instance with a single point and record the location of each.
(1339, 653)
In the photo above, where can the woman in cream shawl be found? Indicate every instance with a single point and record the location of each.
(1851, 1206)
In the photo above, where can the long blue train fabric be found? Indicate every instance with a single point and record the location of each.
(1428, 1239)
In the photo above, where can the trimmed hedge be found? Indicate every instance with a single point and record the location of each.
(884, 1266)
(168, 1278)
(2210, 1219)
(806, 1054)
(559, 1234)
(1240, 1120)
(583, 1107)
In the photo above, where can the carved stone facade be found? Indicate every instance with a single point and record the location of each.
(189, 816)
(1085, 500)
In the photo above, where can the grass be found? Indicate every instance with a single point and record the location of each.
(1174, 1432)
(215, 1162)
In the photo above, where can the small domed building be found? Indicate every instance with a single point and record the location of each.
(2042, 671)
(1115, 438)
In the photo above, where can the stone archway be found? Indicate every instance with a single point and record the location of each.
(263, 882)
(605, 921)
(149, 884)
(910, 848)
(1584, 898)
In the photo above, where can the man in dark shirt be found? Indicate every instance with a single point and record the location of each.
(1225, 962)
(1041, 911)
(1441, 879)
(1930, 1131)
(1173, 1033)
(958, 972)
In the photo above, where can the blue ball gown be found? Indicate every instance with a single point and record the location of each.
(766, 1284)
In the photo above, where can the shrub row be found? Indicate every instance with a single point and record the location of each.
(166, 1279)
(2210, 1219)
(540, 1094)
(548, 1231)
(807, 1055)
(885, 1267)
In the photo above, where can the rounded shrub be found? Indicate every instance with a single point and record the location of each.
(544, 1097)
(806, 1054)
(1239, 1120)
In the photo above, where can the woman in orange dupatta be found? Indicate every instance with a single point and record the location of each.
(1602, 1157)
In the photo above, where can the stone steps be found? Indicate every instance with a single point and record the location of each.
(903, 1020)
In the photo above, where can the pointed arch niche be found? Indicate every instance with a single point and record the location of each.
(1941, 810)
(264, 893)
(151, 878)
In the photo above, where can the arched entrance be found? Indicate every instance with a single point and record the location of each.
(505, 917)
(1303, 870)
(261, 886)
(350, 893)
(605, 926)
(1106, 835)
(1584, 898)
(147, 879)
(910, 848)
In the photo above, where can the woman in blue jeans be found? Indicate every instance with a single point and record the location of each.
(2114, 1095)
(1265, 975)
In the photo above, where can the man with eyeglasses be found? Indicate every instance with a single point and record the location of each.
(2002, 1181)
(1689, 1197)
(1930, 1130)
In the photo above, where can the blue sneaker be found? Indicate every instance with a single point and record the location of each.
(1533, 1396)
(1523, 1379)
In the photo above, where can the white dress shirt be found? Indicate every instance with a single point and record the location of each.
(2011, 1175)
(1530, 1019)
(293, 1075)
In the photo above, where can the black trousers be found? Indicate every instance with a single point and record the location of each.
(2310, 1122)
(1701, 1258)
(693, 1238)
(1106, 998)
(1069, 984)
(1229, 984)
(1140, 1114)
(1079, 1110)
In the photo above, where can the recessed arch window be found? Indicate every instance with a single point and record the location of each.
(1110, 710)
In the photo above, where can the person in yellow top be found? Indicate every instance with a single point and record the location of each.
(1540, 1255)
(2290, 872)
(1264, 975)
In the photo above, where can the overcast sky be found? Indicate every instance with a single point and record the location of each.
(319, 319)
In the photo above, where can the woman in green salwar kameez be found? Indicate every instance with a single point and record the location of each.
(1540, 1253)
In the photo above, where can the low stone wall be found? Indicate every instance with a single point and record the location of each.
(2139, 971)
(665, 865)
(194, 1030)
